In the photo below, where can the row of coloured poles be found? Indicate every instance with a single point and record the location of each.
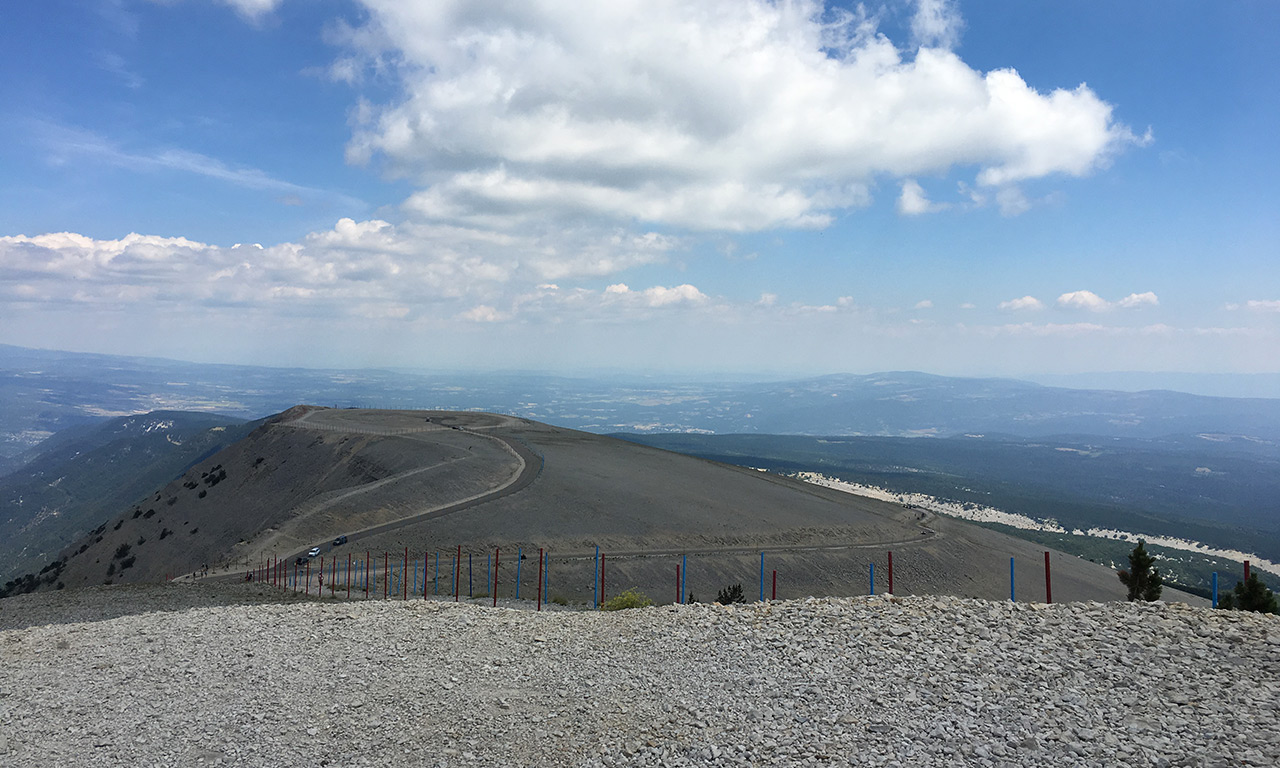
(396, 575)
(402, 577)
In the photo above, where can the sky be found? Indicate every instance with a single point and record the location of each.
(772, 188)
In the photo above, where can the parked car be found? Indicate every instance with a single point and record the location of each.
(301, 560)
(340, 541)
(313, 552)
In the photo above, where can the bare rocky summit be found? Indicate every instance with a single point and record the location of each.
(182, 675)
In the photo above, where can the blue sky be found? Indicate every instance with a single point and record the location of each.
(1003, 188)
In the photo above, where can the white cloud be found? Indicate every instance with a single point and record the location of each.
(1136, 300)
(657, 296)
(1092, 302)
(968, 305)
(924, 304)
(1011, 201)
(1264, 305)
(354, 263)
(1083, 300)
(936, 24)
(1026, 302)
(730, 115)
(913, 201)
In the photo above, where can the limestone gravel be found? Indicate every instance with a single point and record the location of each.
(835, 681)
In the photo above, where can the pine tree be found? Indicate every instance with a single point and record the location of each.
(1250, 595)
(1142, 579)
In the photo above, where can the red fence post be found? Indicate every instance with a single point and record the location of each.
(307, 586)
(348, 575)
(386, 575)
(677, 582)
(775, 585)
(602, 578)
(496, 552)
(457, 573)
(1048, 583)
(539, 578)
(891, 573)
(426, 558)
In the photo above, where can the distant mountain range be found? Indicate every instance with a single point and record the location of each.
(42, 392)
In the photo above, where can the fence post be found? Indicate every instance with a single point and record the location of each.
(677, 582)
(762, 577)
(595, 586)
(1048, 583)
(436, 589)
(1214, 604)
(457, 573)
(891, 573)
(546, 578)
(602, 578)
(519, 562)
(470, 584)
(386, 575)
(684, 577)
(426, 563)
(367, 557)
(497, 552)
(1012, 594)
(539, 579)
(307, 585)
(404, 576)
(775, 584)
(873, 578)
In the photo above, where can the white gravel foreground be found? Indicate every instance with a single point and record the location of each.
(916, 681)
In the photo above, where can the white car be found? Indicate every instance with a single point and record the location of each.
(313, 552)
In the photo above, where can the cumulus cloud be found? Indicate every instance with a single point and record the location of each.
(1083, 300)
(1135, 300)
(924, 304)
(1092, 302)
(913, 201)
(1026, 302)
(730, 115)
(354, 263)
(657, 296)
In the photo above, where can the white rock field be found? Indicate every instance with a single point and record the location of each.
(918, 681)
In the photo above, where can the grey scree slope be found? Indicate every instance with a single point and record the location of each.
(213, 678)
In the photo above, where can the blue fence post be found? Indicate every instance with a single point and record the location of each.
(436, 589)
(453, 567)
(684, 575)
(546, 574)
(1012, 595)
(762, 577)
(1215, 589)
(595, 585)
(470, 581)
(519, 561)
(489, 570)
(873, 578)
